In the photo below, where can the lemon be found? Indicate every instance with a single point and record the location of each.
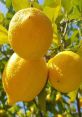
(65, 71)
(23, 80)
(80, 102)
(30, 33)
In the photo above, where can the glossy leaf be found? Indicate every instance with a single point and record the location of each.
(75, 33)
(18, 4)
(75, 14)
(52, 12)
(3, 35)
(1, 18)
(49, 3)
(79, 51)
(72, 95)
(8, 3)
(80, 6)
(67, 5)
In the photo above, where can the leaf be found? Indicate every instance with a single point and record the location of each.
(69, 115)
(75, 33)
(3, 35)
(56, 40)
(52, 12)
(73, 95)
(8, 3)
(67, 4)
(78, 3)
(9, 15)
(17, 5)
(75, 14)
(81, 86)
(80, 51)
(1, 18)
(80, 6)
(42, 100)
(36, 5)
(55, 28)
(50, 3)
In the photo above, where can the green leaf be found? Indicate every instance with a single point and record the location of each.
(73, 95)
(67, 5)
(8, 3)
(74, 35)
(18, 5)
(42, 100)
(9, 15)
(80, 53)
(55, 28)
(75, 14)
(1, 18)
(49, 3)
(80, 6)
(69, 115)
(36, 5)
(3, 35)
(52, 12)
(78, 3)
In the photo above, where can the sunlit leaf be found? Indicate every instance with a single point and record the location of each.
(18, 4)
(69, 115)
(3, 35)
(72, 95)
(80, 6)
(36, 5)
(56, 40)
(50, 3)
(54, 28)
(78, 3)
(79, 51)
(67, 5)
(74, 35)
(8, 3)
(1, 18)
(52, 12)
(75, 14)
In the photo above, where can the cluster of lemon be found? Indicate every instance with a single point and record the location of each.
(30, 35)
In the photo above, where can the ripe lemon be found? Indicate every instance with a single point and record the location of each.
(80, 102)
(23, 80)
(65, 71)
(30, 33)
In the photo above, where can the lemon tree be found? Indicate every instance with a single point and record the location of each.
(40, 58)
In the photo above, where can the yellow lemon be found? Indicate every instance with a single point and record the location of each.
(65, 71)
(23, 80)
(80, 102)
(30, 33)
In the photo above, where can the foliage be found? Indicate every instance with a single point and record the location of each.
(66, 17)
